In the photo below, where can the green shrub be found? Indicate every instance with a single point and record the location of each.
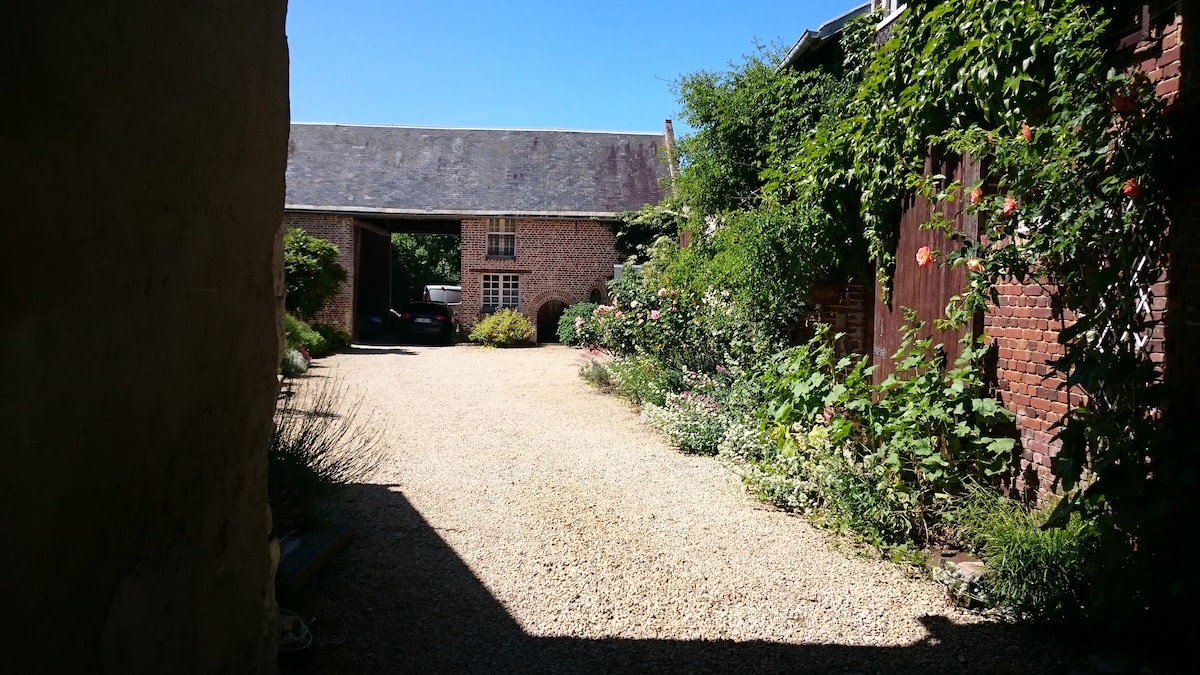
(577, 327)
(692, 421)
(311, 272)
(1032, 572)
(311, 339)
(505, 328)
(904, 448)
(697, 412)
(334, 339)
(790, 476)
(642, 379)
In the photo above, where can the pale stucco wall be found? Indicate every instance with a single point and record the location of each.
(142, 150)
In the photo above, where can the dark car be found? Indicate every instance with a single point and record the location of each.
(426, 321)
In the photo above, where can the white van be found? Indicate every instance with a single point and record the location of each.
(451, 295)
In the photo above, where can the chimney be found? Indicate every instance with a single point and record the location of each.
(672, 158)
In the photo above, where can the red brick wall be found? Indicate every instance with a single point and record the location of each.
(1024, 326)
(1183, 291)
(339, 229)
(561, 259)
(848, 309)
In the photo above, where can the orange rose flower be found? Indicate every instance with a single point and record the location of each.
(1027, 133)
(1131, 189)
(1010, 206)
(924, 257)
(977, 195)
(975, 265)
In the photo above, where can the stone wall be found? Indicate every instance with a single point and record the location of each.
(142, 154)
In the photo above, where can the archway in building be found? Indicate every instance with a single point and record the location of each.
(547, 319)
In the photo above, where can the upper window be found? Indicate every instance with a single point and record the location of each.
(890, 10)
(500, 290)
(502, 238)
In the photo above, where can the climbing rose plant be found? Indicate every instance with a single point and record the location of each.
(1073, 198)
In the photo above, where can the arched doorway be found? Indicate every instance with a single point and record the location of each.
(547, 319)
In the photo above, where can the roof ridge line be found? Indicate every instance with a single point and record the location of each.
(420, 126)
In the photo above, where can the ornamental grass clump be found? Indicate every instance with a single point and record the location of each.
(322, 441)
(293, 363)
(1032, 572)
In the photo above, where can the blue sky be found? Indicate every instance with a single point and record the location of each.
(536, 64)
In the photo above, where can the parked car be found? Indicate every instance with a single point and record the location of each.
(426, 320)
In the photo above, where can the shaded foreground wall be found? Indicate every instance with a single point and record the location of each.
(142, 150)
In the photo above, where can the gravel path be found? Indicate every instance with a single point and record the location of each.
(526, 523)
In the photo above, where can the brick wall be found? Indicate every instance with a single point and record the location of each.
(339, 229)
(848, 309)
(556, 259)
(1025, 326)
(1183, 292)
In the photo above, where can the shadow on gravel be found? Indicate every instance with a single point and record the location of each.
(376, 349)
(401, 601)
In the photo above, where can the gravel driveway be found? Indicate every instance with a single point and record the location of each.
(525, 523)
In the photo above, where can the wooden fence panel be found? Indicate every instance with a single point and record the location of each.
(926, 290)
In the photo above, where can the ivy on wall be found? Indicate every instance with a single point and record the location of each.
(794, 176)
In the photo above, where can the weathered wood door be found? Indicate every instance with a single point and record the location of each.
(925, 290)
(547, 320)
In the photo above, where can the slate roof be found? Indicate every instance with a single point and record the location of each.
(428, 171)
(811, 40)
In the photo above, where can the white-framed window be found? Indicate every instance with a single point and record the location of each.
(891, 9)
(502, 238)
(501, 290)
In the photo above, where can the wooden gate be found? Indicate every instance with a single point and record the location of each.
(925, 290)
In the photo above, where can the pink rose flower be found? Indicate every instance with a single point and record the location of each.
(924, 257)
(654, 314)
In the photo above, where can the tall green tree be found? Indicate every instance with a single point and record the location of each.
(422, 259)
(766, 224)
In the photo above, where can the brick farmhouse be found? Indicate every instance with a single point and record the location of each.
(532, 209)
